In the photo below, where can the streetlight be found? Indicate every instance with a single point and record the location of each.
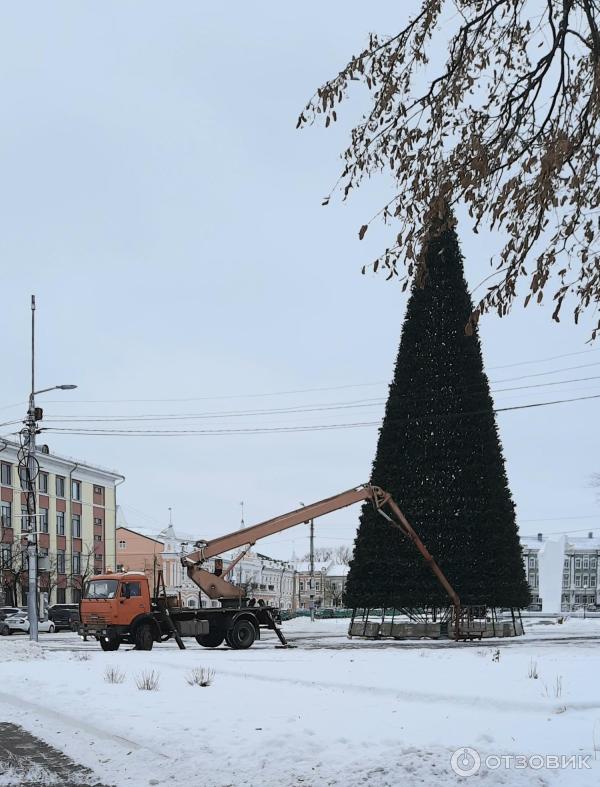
(31, 470)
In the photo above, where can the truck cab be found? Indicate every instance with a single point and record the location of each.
(119, 608)
(114, 606)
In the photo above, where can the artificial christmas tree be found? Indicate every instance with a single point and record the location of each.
(439, 454)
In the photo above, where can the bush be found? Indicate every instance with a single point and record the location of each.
(200, 676)
(148, 680)
(114, 675)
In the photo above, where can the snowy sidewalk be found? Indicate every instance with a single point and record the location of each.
(317, 715)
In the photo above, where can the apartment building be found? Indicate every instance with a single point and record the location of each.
(76, 522)
(310, 587)
(138, 552)
(562, 572)
(335, 584)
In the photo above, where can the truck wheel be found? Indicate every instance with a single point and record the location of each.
(144, 639)
(241, 635)
(211, 640)
(111, 644)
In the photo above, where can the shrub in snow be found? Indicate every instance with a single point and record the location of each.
(114, 675)
(533, 670)
(200, 676)
(148, 680)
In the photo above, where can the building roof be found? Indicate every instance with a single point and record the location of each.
(67, 460)
(320, 566)
(137, 533)
(576, 543)
(338, 570)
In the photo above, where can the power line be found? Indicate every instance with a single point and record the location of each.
(287, 429)
(307, 390)
(283, 411)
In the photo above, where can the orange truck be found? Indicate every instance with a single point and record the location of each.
(120, 608)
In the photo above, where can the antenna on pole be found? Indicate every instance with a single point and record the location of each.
(170, 515)
(32, 344)
(242, 523)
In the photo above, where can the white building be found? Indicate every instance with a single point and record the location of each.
(562, 571)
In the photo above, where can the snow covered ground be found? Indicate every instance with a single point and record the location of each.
(332, 711)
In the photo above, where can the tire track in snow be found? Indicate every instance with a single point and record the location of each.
(507, 706)
(20, 703)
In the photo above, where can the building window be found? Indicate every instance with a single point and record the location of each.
(120, 567)
(43, 520)
(60, 562)
(531, 562)
(76, 490)
(60, 523)
(5, 515)
(122, 544)
(97, 537)
(586, 581)
(578, 581)
(586, 562)
(592, 580)
(566, 579)
(592, 562)
(43, 482)
(61, 596)
(24, 519)
(301, 586)
(99, 493)
(60, 486)
(318, 586)
(577, 562)
(6, 556)
(6, 474)
(97, 520)
(76, 561)
(76, 526)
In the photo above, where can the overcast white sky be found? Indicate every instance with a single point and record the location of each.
(157, 198)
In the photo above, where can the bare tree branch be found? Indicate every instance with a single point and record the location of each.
(509, 127)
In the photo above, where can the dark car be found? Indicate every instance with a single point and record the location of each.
(64, 616)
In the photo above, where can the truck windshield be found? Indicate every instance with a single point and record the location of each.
(101, 588)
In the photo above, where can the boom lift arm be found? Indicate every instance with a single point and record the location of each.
(216, 586)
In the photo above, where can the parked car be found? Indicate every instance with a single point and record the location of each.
(64, 616)
(20, 622)
(4, 613)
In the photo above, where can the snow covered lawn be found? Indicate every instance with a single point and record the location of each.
(329, 712)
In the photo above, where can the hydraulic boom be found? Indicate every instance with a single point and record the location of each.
(216, 585)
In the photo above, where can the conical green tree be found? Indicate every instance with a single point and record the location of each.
(439, 454)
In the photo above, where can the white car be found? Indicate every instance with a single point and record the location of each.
(20, 622)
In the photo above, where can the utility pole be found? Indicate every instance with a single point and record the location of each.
(312, 568)
(311, 584)
(31, 475)
(29, 471)
(242, 526)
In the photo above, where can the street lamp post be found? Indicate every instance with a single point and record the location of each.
(31, 472)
